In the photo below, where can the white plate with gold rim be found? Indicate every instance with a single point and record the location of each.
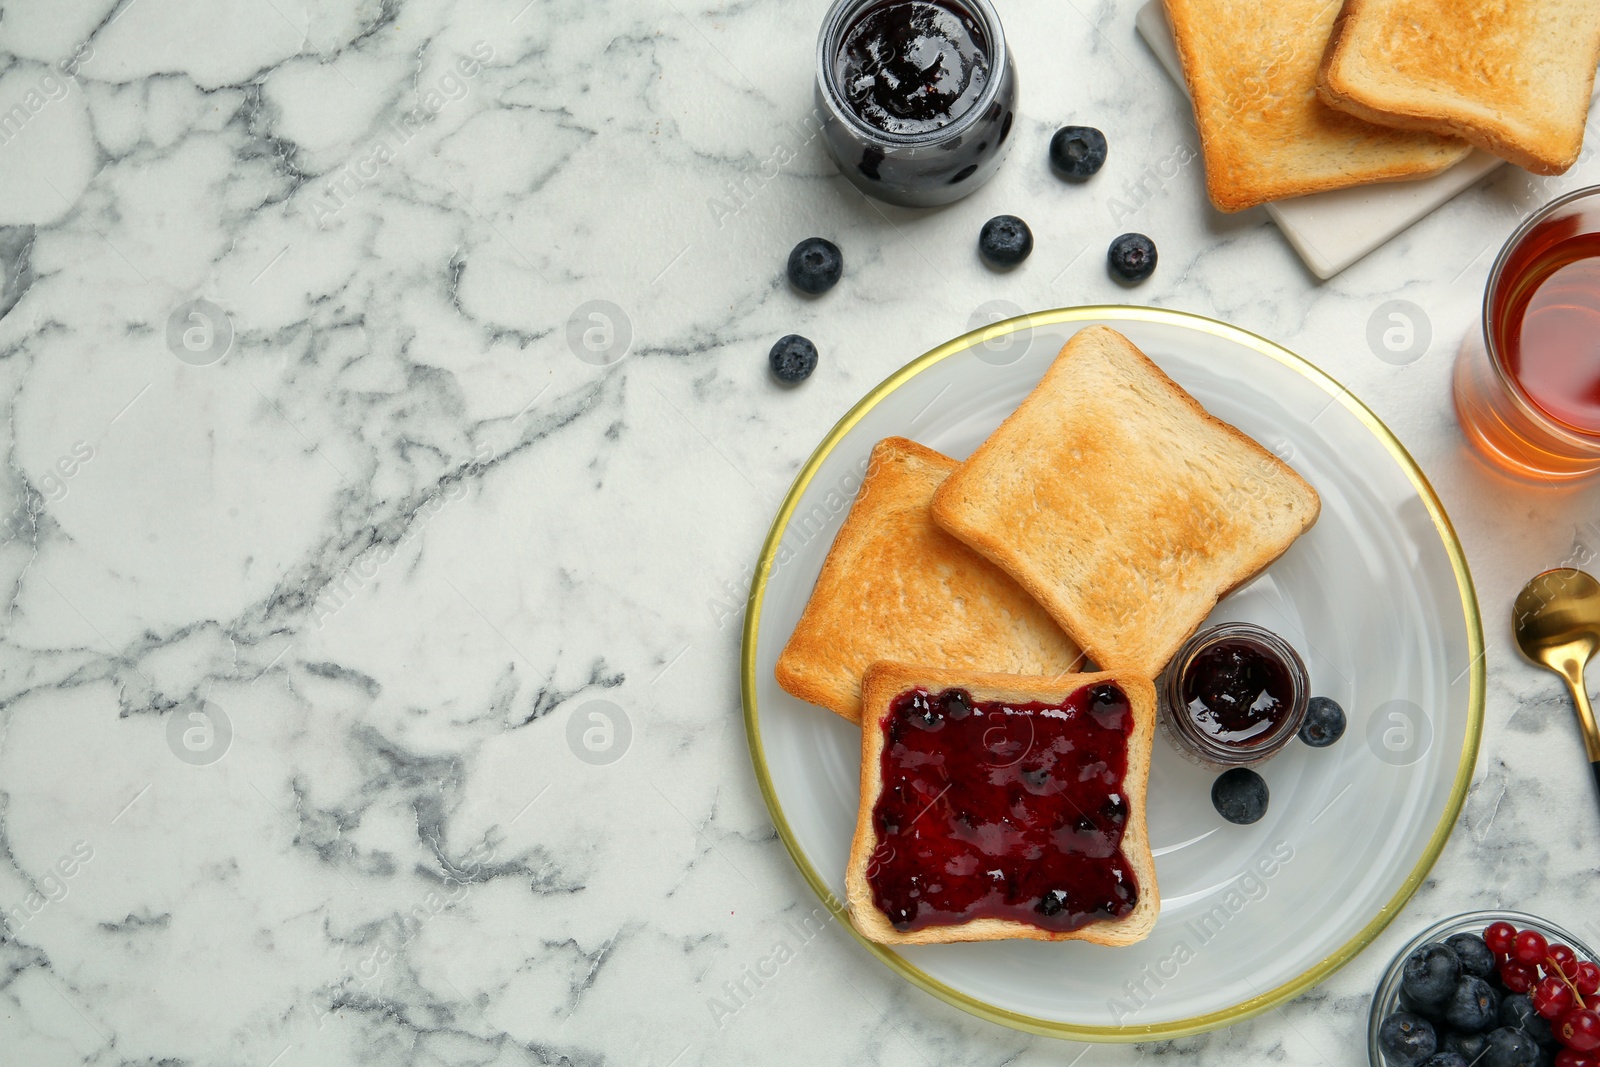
(1376, 597)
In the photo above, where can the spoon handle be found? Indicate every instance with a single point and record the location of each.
(1586, 721)
(1573, 673)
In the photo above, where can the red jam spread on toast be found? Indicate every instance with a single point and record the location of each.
(1236, 691)
(1001, 810)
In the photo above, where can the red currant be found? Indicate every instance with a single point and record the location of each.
(1517, 976)
(1571, 1057)
(1530, 947)
(1579, 1029)
(1499, 937)
(1588, 978)
(1564, 958)
(1552, 998)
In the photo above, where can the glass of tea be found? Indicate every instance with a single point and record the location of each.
(1527, 391)
(916, 97)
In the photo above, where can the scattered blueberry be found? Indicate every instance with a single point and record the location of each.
(1323, 725)
(815, 265)
(1430, 973)
(1132, 257)
(1407, 1040)
(1240, 795)
(793, 359)
(1446, 1059)
(1005, 241)
(1468, 1046)
(1473, 1007)
(1475, 956)
(1077, 152)
(1507, 1047)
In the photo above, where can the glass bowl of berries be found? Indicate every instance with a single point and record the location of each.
(1488, 989)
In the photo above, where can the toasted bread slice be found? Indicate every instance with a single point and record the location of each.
(1119, 503)
(1512, 77)
(1011, 762)
(1251, 69)
(895, 586)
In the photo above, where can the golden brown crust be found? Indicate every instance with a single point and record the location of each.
(1251, 70)
(884, 682)
(1122, 505)
(1483, 75)
(896, 586)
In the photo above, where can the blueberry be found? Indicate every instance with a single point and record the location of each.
(1516, 1012)
(815, 265)
(1076, 152)
(1406, 1039)
(1324, 724)
(793, 359)
(1240, 795)
(1473, 1007)
(1434, 1013)
(1468, 1046)
(1132, 257)
(1507, 1047)
(1446, 1059)
(1475, 956)
(1516, 1009)
(1430, 973)
(1005, 241)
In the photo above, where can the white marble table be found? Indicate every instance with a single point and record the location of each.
(308, 602)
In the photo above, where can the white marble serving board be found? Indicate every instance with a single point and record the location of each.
(1332, 230)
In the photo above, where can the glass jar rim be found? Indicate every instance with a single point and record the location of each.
(1508, 381)
(1235, 755)
(834, 24)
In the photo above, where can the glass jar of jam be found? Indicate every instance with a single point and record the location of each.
(916, 97)
(1233, 695)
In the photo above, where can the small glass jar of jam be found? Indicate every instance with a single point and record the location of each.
(1233, 695)
(916, 98)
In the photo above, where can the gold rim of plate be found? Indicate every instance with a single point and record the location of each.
(1257, 1004)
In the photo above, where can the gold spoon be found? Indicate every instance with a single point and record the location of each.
(1556, 619)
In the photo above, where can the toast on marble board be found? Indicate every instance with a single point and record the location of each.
(1265, 134)
(1122, 505)
(896, 586)
(1514, 78)
(874, 849)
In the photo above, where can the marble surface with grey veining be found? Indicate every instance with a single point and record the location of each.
(387, 441)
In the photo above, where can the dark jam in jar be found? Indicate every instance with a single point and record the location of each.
(1236, 692)
(910, 67)
(995, 810)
